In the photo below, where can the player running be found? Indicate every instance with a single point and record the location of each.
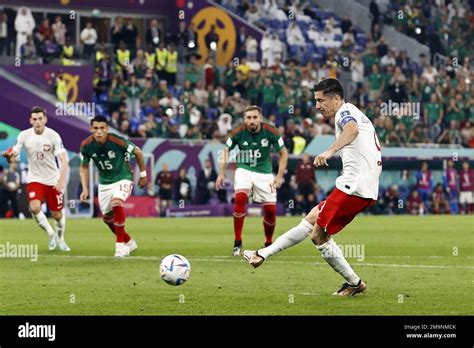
(111, 154)
(255, 139)
(45, 180)
(356, 189)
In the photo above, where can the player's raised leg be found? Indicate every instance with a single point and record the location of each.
(292, 237)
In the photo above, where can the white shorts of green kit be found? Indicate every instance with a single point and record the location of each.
(258, 184)
(465, 197)
(120, 189)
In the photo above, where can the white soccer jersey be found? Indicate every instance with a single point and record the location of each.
(41, 150)
(361, 159)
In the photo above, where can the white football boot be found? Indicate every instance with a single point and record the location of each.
(121, 250)
(63, 246)
(52, 241)
(132, 246)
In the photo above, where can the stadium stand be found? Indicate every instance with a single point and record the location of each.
(140, 85)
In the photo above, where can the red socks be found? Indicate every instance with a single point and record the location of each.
(269, 217)
(269, 221)
(109, 221)
(239, 213)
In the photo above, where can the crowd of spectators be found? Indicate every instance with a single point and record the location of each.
(136, 86)
(136, 83)
(443, 25)
(453, 195)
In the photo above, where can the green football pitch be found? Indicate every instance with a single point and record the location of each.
(412, 266)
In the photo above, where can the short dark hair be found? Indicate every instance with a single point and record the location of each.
(37, 109)
(252, 108)
(99, 118)
(330, 86)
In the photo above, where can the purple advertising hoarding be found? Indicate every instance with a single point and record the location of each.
(204, 14)
(159, 6)
(78, 79)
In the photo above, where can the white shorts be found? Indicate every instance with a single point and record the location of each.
(120, 189)
(259, 184)
(466, 197)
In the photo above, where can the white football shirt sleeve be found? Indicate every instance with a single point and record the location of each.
(58, 145)
(20, 143)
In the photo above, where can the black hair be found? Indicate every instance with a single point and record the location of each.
(99, 118)
(37, 110)
(330, 86)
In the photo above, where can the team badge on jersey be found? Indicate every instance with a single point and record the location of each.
(111, 154)
(264, 142)
(46, 147)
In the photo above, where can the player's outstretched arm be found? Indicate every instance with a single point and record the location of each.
(348, 135)
(222, 166)
(84, 173)
(142, 182)
(282, 163)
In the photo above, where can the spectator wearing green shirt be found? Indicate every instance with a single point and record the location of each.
(380, 129)
(269, 93)
(192, 71)
(151, 125)
(370, 58)
(453, 111)
(116, 94)
(149, 96)
(229, 77)
(133, 92)
(284, 102)
(433, 116)
(417, 135)
(375, 83)
(252, 87)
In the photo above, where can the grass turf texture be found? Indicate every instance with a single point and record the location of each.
(409, 268)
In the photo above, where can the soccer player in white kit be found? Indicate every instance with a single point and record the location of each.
(46, 181)
(356, 188)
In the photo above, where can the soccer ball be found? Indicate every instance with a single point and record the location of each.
(175, 269)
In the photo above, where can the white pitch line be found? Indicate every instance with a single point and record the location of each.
(368, 257)
(232, 259)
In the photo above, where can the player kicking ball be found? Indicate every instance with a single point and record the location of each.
(254, 174)
(356, 189)
(111, 154)
(45, 180)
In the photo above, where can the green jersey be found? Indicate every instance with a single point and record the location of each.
(255, 148)
(112, 158)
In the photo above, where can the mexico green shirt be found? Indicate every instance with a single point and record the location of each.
(255, 148)
(112, 158)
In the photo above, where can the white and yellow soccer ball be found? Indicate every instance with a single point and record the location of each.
(175, 269)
